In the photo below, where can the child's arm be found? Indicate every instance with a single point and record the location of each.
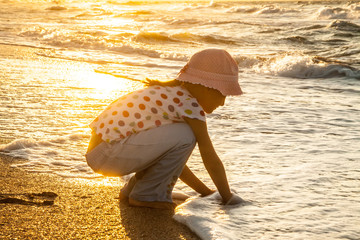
(189, 178)
(211, 160)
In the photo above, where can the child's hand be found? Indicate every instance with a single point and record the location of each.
(234, 200)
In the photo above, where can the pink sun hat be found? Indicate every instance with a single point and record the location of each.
(213, 68)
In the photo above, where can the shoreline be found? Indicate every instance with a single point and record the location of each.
(80, 210)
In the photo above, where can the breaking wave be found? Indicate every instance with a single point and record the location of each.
(269, 9)
(351, 11)
(344, 26)
(126, 42)
(299, 66)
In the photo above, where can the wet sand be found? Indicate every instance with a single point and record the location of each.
(45, 206)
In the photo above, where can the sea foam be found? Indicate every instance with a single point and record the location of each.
(302, 66)
(50, 156)
(351, 11)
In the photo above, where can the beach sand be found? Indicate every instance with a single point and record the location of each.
(80, 210)
(47, 206)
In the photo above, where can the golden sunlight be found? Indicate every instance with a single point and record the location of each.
(106, 85)
(84, 76)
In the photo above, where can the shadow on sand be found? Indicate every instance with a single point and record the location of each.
(147, 223)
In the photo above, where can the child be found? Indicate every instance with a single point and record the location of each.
(153, 131)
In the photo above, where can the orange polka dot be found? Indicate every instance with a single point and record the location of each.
(159, 103)
(140, 124)
(111, 121)
(102, 125)
(176, 100)
(202, 113)
(180, 93)
(128, 133)
(114, 113)
(121, 123)
(146, 98)
(130, 104)
(157, 122)
(142, 106)
(96, 119)
(164, 96)
(125, 113)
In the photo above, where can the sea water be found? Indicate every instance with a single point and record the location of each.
(290, 144)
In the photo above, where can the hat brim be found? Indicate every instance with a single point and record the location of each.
(227, 88)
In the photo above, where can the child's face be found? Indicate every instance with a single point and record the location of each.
(211, 100)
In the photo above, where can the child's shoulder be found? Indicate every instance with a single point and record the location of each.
(157, 93)
(158, 89)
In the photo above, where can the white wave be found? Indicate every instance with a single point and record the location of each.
(51, 156)
(332, 13)
(242, 10)
(351, 11)
(301, 66)
(195, 213)
(267, 9)
(68, 39)
(19, 144)
(344, 26)
(247, 61)
(275, 10)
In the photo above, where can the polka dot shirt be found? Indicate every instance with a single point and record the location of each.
(144, 109)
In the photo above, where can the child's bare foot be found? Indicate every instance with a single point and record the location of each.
(158, 205)
(177, 195)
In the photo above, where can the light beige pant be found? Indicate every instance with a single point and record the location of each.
(159, 154)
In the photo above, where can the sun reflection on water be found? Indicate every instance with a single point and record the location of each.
(103, 86)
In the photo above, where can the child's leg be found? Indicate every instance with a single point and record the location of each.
(159, 179)
(159, 154)
(126, 190)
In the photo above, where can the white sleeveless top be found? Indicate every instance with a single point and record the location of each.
(144, 109)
